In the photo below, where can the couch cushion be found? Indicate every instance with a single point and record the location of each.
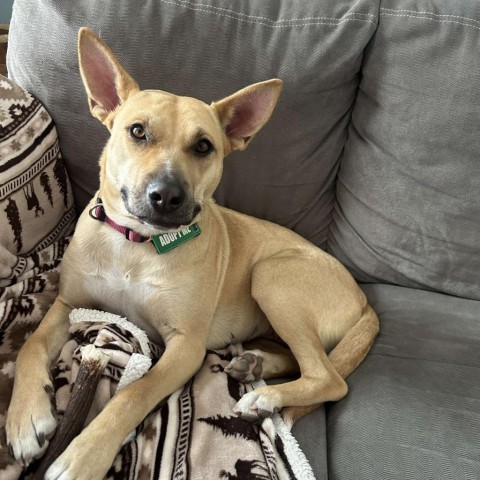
(413, 406)
(36, 202)
(210, 49)
(408, 202)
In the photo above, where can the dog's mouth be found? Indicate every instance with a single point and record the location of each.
(168, 223)
(148, 217)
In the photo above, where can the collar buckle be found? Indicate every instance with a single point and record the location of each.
(97, 212)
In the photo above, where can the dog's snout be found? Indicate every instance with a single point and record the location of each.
(165, 197)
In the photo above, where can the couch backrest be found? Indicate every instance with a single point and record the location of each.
(209, 49)
(407, 207)
(408, 191)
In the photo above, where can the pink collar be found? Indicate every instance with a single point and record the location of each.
(97, 212)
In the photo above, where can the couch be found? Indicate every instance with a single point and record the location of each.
(373, 154)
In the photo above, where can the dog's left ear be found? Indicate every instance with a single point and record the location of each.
(107, 84)
(244, 113)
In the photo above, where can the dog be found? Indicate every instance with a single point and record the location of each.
(154, 247)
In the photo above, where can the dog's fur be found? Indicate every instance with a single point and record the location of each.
(241, 279)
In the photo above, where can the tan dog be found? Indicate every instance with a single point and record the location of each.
(240, 279)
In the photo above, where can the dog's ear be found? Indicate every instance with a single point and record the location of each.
(244, 113)
(106, 82)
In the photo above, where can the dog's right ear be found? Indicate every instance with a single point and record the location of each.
(107, 84)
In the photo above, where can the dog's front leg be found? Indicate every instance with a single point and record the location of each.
(91, 454)
(30, 419)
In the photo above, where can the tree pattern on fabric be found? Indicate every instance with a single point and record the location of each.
(13, 216)
(244, 470)
(60, 174)
(47, 188)
(232, 426)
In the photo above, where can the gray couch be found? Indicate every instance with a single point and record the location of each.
(373, 154)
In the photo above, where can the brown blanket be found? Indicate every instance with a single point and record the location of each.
(23, 304)
(193, 435)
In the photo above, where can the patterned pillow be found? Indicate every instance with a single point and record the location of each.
(36, 202)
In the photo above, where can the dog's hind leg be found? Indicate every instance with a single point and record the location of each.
(345, 357)
(262, 359)
(302, 319)
(318, 382)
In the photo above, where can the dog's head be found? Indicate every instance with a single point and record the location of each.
(164, 157)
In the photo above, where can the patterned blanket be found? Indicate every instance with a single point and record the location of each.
(193, 435)
(23, 304)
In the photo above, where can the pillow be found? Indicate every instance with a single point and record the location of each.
(208, 50)
(408, 191)
(36, 202)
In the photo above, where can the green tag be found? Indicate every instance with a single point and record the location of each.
(168, 241)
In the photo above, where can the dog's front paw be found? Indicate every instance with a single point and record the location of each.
(257, 405)
(246, 368)
(30, 422)
(84, 459)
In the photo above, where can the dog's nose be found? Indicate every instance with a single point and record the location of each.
(165, 197)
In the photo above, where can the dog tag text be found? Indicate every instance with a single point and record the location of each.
(168, 241)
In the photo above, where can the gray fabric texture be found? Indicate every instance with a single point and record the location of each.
(408, 190)
(208, 50)
(412, 411)
(311, 434)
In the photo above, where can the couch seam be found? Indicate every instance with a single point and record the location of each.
(403, 357)
(423, 17)
(430, 13)
(282, 23)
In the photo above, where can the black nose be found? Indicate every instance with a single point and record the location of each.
(165, 197)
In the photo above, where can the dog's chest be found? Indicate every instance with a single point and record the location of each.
(118, 295)
(159, 294)
(115, 288)
(127, 293)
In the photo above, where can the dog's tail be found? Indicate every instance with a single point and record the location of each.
(345, 357)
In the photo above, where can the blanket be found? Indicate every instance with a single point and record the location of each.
(194, 434)
(23, 304)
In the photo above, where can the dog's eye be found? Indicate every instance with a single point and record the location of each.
(203, 147)
(138, 132)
